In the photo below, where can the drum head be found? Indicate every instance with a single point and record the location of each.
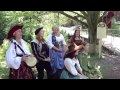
(31, 62)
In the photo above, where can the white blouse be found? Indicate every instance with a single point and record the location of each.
(58, 39)
(70, 65)
(14, 61)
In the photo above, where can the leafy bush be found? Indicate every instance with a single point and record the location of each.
(92, 70)
(114, 33)
(4, 71)
(3, 49)
(116, 27)
(64, 34)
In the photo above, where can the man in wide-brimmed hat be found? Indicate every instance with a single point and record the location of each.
(12, 31)
(72, 69)
(17, 53)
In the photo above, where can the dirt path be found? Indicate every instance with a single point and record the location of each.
(110, 67)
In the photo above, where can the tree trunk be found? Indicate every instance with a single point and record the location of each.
(92, 31)
(93, 47)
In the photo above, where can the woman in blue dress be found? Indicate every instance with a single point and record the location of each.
(56, 43)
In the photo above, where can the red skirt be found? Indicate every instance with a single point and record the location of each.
(24, 72)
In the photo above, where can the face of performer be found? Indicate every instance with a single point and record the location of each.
(18, 34)
(41, 33)
(56, 29)
(77, 33)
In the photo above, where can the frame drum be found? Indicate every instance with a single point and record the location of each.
(32, 61)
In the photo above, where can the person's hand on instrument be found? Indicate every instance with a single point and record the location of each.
(78, 47)
(47, 59)
(24, 58)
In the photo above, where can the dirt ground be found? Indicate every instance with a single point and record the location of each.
(110, 66)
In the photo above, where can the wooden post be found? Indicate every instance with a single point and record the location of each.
(100, 48)
(101, 33)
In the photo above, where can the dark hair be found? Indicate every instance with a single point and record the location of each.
(70, 55)
(75, 34)
(38, 30)
(71, 52)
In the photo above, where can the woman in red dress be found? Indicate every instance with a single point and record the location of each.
(77, 40)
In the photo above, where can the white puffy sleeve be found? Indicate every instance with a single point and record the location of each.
(70, 67)
(49, 41)
(78, 66)
(26, 49)
(63, 39)
(12, 61)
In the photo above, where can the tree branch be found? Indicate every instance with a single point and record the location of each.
(74, 18)
(84, 13)
(78, 14)
(101, 18)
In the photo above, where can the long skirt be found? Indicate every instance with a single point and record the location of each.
(66, 75)
(24, 72)
(57, 60)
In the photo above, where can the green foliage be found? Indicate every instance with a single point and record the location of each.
(31, 21)
(114, 24)
(4, 70)
(64, 33)
(3, 49)
(92, 70)
(29, 46)
(3, 23)
(115, 27)
(116, 32)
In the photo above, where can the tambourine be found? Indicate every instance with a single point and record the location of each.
(32, 61)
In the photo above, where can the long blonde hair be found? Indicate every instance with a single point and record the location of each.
(40, 39)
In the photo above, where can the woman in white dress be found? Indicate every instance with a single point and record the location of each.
(17, 54)
(56, 43)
